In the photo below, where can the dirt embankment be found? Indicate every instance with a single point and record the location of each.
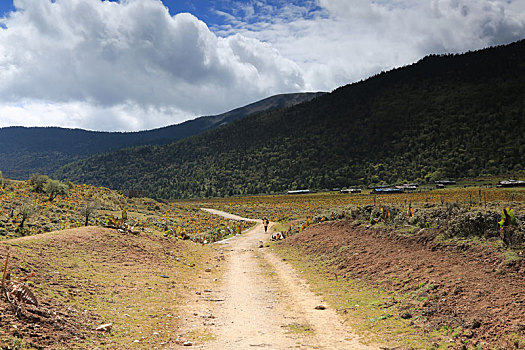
(90, 276)
(452, 286)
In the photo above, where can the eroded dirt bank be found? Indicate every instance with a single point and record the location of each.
(453, 286)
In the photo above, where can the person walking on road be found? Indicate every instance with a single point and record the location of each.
(265, 223)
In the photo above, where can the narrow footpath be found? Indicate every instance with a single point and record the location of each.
(262, 303)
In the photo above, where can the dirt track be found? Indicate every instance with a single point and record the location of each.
(262, 303)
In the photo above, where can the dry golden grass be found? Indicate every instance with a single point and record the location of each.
(139, 283)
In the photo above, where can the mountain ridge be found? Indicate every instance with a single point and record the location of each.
(26, 150)
(437, 118)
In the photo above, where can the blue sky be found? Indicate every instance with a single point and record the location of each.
(132, 64)
(6, 6)
(207, 11)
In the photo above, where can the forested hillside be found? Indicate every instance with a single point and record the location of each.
(24, 151)
(444, 117)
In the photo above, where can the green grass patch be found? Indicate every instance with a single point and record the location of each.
(280, 227)
(298, 328)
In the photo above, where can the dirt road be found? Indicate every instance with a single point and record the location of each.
(262, 303)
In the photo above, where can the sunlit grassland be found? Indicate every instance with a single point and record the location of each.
(285, 208)
(140, 283)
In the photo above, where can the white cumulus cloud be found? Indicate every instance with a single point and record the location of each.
(342, 41)
(130, 65)
(127, 66)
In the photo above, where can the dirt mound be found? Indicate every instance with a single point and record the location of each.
(91, 276)
(477, 289)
